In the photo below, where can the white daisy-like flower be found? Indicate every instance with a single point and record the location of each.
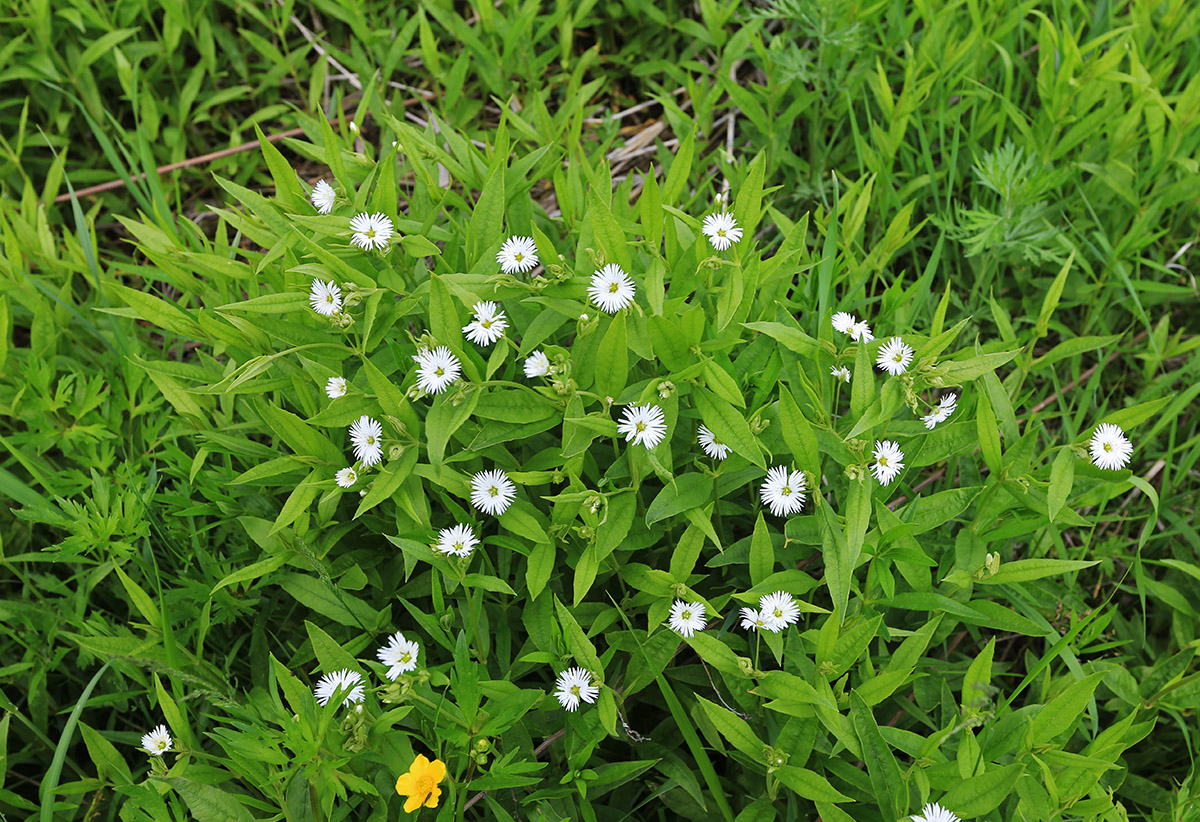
(348, 682)
(611, 289)
(889, 461)
(367, 437)
(941, 412)
(933, 812)
(844, 322)
(1110, 448)
(841, 372)
(894, 356)
(643, 425)
(157, 742)
(861, 332)
(436, 369)
(517, 254)
(322, 197)
(537, 364)
(335, 387)
(459, 540)
(346, 478)
(783, 492)
(399, 654)
(711, 445)
(722, 230)
(492, 492)
(752, 620)
(488, 325)
(687, 617)
(778, 610)
(573, 686)
(325, 298)
(371, 231)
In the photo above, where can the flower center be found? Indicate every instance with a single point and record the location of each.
(485, 324)
(424, 786)
(439, 371)
(370, 232)
(777, 613)
(575, 690)
(612, 288)
(898, 357)
(518, 256)
(720, 232)
(685, 615)
(406, 657)
(370, 439)
(641, 426)
(1108, 446)
(493, 491)
(883, 462)
(328, 298)
(787, 489)
(458, 546)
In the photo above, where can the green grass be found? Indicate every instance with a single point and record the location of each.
(1020, 176)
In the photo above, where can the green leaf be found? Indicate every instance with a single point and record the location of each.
(762, 552)
(1062, 477)
(208, 803)
(716, 653)
(612, 359)
(387, 481)
(487, 219)
(793, 339)
(862, 384)
(1024, 570)
(979, 795)
(976, 367)
(680, 169)
(735, 729)
(798, 434)
(979, 676)
(444, 323)
(858, 517)
(1060, 714)
(577, 642)
(538, 568)
(686, 492)
(989, 434)
(810, 785)
(607, 231)
(748, 207)
(891, 791)
(728, 426)
(328, 601)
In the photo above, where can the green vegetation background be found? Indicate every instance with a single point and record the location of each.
(975, 149)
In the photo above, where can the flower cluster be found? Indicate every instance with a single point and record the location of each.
(774, 613)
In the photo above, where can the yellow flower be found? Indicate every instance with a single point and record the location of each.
(420, 784)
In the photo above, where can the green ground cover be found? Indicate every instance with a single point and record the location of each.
(1003, 628)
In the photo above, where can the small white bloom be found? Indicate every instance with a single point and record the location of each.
(436, 369)
(844, 322)
(643, 425)
(942, 412)
(894, 356)
(492, 492)
(783, 492)
(722, 230)
(158, 741)
(752, 620)
(711, 445)
(611, 289)
(348, 682)
(371, 231)
(889, 461)
(353, 127)
(322, 197)
(840, 371)
(346, 478)
(583, 317)
(367, 437)
(574, 685)
(399, 654)
(488, 325)
(537, 365)
(778, 610)
(861, 332)
(517, 254)
(335, 387)
(1110, 448)
(687, 617)
(459, 540)
(325, 298)
(934, 812)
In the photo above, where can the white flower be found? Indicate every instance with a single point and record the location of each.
(1110, 448)
(399, 654)
(783, 492)
(322, 197)
(346, 478)
(894, 356)
(436, 369)
(517, 254)
(367, 436)
(687, 617)
(942, 412)
(335, 387)
(711, 445)
(325, 298)
(752, 620)
(722, 230)
(371, 231)
(573, 685)
(158, 741)
(343, 680)
(537, 365)
(934, 812)
(492, 492)
(889, 461)
(643, 425)
(844, 322)
(611, 289)
(861, 332)
(459, 540)
(840, 371)
(353, 127)
(778, 610)
(488, 325)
